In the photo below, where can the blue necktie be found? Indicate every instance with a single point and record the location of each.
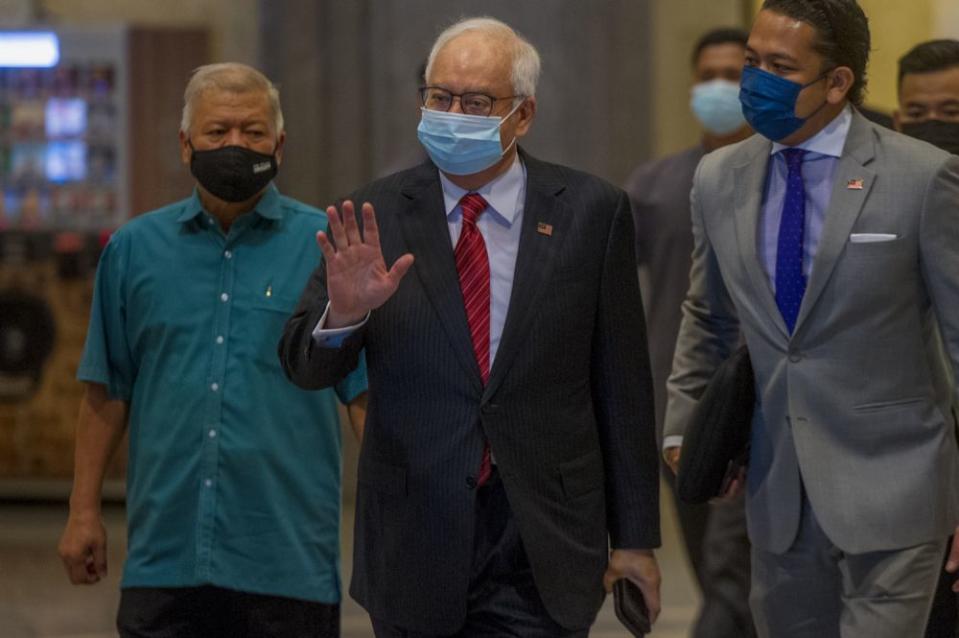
(790, 280)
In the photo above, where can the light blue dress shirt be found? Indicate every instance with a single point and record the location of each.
(819, 174)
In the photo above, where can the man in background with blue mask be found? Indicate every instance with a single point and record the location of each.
(714, 535)
(511, 438)
(832, 246)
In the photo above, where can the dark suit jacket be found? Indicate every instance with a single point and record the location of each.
(568, 408)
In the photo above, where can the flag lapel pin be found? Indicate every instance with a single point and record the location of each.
(855, 184)
(544, 229)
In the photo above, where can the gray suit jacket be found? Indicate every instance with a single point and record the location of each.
(567, 409)
(855, 405)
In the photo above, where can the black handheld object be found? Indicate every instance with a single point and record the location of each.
(631, 607)
(716, 442)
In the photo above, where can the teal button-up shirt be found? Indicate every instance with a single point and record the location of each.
(234, 473)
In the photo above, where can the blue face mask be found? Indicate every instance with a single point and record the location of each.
(716, 106)
(462, 144)
(769, 103)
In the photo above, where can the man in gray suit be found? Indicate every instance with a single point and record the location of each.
(510, 439)
(833, 246)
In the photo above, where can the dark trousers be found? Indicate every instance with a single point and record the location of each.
(718, 545)
(944, 617)
(214, 612)
(503, 600)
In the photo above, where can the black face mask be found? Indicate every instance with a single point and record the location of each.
(945, 135)
(232, 173)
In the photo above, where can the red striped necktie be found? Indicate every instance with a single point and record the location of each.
(472, 264)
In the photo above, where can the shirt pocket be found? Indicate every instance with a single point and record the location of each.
(263, 327)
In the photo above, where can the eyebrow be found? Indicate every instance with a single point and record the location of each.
(776, 56)
(952, 101)
(485, 91)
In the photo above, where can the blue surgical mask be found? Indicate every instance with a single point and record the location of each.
(769, 103)
(461, 144)
(716, 106)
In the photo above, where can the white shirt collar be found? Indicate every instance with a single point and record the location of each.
(829, 141)
(500, 193)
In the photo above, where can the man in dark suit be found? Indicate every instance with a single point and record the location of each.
(510, 434)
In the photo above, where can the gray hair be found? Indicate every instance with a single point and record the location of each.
(525, 58)
(231, 77)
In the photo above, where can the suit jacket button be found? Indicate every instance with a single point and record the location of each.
(470, 482)
(795, 356)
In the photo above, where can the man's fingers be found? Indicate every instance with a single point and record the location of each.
(672, 458)
(79, 574)
(400, 267)
(371, 232)
(323, 241)
(349, 223)
(99, 556)
(653, 602)
(952, 564)
(649, 582)
(733, 489)
(609, 578)
(335, 217)
(77, 566)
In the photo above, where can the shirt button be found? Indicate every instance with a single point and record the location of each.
(209, 220)
(212, 434)
(208, 482)
(224, 297)
(214, 386)
(228, 254)
(219, 339)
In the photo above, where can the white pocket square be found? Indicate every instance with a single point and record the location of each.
(870, 238)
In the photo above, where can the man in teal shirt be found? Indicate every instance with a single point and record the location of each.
(233, 487)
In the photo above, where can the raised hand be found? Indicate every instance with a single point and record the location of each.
(357, 279)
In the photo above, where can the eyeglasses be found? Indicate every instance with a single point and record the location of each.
(439, 99)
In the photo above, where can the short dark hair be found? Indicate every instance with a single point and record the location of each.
(842, 34)
(724, 35)
(934, 55)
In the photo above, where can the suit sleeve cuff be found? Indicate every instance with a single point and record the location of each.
(333, 337)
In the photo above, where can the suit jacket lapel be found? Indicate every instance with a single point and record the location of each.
(427, 235)
(750, 176)
(845, 205)
(534, 261)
